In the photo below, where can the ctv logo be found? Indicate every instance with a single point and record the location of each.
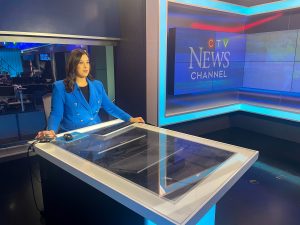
(217, 43)
(210, 62)
(211, 58)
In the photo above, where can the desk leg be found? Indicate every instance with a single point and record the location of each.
(207, 219)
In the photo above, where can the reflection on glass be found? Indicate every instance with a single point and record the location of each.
(166, 165)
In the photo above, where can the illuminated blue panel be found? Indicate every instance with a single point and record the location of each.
(216, 5)
(271, 46)
(207, 219)
(270, 112)
(269, 75)
(10, 61)
(242, 10)
(162, 60)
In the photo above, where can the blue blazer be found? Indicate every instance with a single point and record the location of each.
(71, 111)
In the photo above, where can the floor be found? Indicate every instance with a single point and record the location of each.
(16, 199)
(268, 194)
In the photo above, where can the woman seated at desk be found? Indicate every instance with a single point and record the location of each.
(77, 99)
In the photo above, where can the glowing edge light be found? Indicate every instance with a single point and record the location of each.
(241, 10)
(207, 219)
(232, 108)
(162, 63)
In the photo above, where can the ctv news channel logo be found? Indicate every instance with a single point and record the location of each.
(209, 63)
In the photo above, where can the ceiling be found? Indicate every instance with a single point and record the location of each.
(249, 3)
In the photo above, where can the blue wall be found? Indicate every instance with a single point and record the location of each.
(10, 61)
(21, 125)
(77, 17)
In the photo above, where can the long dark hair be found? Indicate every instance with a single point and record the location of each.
(74, 60)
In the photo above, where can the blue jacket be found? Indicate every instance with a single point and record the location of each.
(71, 111)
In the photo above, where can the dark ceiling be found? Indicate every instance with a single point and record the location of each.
(249, 3)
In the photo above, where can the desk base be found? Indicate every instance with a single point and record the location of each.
(70, 201)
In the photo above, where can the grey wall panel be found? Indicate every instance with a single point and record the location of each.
(297, 58)
(271, 46)
(98, 63)
(281, 23)
(131, 58)
(76, 17)
(294, 21)
(203, 126)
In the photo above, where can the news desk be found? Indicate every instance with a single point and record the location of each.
(139, 174)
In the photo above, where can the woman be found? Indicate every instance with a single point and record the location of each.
(77, 99)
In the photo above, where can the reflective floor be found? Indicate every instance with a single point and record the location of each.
(269, 193)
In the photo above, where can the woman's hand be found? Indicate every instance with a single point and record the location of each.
(137, 120)
(45, 134)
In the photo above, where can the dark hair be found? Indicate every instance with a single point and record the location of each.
(74, 60)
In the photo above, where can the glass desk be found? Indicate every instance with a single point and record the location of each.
(165, 176)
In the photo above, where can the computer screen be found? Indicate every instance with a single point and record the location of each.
(45, 57)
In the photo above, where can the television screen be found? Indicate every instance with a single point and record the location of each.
(202, 61)
(45, 57)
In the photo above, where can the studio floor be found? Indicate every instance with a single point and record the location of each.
(267, 194)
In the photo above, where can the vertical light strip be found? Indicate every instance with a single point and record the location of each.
(110, 72)
(163, 14)
(270, 112)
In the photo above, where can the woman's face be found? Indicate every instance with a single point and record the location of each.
(83, 67)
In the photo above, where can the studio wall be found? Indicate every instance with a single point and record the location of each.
(76, 17)
(130, 77)
(273, 53)
(182, 79)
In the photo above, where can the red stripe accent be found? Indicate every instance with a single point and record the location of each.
(237, 29)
